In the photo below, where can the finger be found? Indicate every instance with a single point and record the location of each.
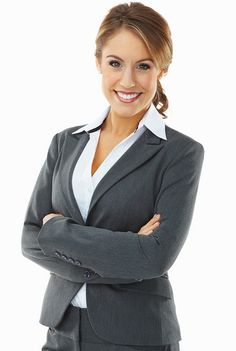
(148, 233)
(153, 226)
(155, 218)
(152, 220)
(157, 215)
(150, 225)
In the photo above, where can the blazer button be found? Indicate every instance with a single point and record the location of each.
(77, 262)
(87, 274)
(64, 257)
(57, 253)
(71, 260)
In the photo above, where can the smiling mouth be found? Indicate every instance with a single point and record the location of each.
(127, 97)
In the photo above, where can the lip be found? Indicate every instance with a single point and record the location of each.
(125, 101)
(127, 92)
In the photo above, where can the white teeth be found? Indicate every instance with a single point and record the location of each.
(127, 96)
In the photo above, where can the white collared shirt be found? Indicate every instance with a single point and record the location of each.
(84, 184)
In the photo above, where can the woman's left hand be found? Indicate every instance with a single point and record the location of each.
(49, 216)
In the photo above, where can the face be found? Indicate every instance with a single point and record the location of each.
(127, 67)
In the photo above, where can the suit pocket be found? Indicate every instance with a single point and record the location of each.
(157, 286)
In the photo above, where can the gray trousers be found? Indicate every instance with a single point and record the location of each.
(75, 333)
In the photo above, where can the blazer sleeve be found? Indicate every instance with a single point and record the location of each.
(117, 254)
(39, 205)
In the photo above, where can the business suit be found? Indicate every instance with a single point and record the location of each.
(126, 272)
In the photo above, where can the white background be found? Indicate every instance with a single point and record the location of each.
(49, 82)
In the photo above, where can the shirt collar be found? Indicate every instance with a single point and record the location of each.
(152, 120)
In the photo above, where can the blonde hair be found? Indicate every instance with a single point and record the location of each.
(153, 30)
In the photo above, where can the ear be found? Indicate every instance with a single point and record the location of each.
(162, 73)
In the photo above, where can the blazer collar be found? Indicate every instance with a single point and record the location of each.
(152, 119)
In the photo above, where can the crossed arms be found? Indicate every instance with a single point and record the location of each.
(114, 256)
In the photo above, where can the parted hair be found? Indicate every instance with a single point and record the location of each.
(152, 28)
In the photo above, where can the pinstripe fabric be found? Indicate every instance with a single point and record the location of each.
(75, 333)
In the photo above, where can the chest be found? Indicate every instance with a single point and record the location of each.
(130, 185)
(104, 146)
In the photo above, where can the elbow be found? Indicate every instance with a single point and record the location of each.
(25, 250)
(26, 246)
(154, 264)
(157, 271)
(160, 264)
(165, 263)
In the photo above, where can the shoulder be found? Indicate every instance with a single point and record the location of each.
(63, 134)
(69, 130)
(181, 149)
(179, 140)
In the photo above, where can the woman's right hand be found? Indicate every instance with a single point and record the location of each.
(150, 225)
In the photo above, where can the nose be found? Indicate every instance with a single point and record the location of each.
(127, 79)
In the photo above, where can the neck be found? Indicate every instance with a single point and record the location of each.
(119, 126)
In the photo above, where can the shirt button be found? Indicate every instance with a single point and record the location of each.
(77, 262)
(87, 274)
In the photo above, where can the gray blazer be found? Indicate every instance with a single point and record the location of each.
(129, 294)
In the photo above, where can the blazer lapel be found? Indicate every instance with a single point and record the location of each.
(146, 146)
(74, 147)
(142, 150)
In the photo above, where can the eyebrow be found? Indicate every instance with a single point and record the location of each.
(145, 59)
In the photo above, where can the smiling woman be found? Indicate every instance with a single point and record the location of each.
(134, 73)
(113, 203)
(129, 82)
(138, 48)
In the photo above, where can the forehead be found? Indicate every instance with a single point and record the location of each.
(126, 43)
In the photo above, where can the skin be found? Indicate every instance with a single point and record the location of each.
(127, 76)
(132, 72)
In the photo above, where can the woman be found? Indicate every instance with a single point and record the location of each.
(113, 202)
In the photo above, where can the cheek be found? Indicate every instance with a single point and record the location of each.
(109, 81)
(148, 83)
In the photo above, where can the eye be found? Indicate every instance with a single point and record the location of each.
(144, 66)
(114, 63)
